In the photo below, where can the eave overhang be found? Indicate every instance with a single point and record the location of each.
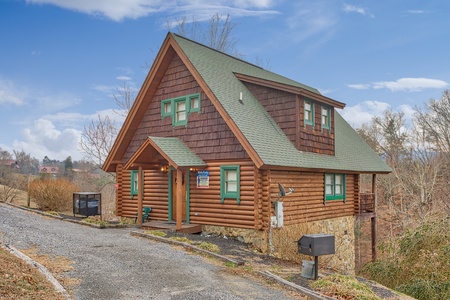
(291, 89)
(156, 151)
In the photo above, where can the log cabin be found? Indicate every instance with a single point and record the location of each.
(211, 139)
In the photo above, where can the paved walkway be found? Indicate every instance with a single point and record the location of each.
(111, 264)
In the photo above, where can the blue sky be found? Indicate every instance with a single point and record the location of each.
(61, 61)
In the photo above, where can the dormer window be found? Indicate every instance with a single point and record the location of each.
(325, 117)
(309, 112)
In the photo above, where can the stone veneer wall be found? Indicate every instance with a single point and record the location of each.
(282, 242)
(257, 238)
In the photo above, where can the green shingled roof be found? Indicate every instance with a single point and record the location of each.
(261, 131)
(177, 151)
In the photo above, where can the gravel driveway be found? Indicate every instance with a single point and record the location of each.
(111, 264)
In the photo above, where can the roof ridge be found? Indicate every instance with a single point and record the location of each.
(221, 52)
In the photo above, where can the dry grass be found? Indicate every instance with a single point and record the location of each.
(344, 287)
(20, 197)
(57, 265)
(18, 280)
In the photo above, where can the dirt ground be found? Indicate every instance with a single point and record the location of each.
(290, 271)
(230, 247)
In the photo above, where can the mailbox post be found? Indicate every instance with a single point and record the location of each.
(316, 245)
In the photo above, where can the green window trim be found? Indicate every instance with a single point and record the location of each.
(230, 186)
(179, 108)
(134, 183)
(181, 112)
(194, 103)
(325, 116)
(166, 108)
(308, 114)
(335, 187)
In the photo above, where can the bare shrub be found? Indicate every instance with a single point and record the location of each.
(11, 185)
(52, 194)
(418, 262)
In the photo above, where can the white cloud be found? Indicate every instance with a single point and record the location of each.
(253, 3)
(118, 10)
(410, 84)
(123, 78)
(408, 112)
(312, 18)
(359, 86)
(355, 9)
(416, 12)
(10, 93)
(58, 135)
(43, 138)
(403, 84)
(363, 112)
(107, 89)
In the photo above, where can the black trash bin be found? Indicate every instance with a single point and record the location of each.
(87, 204)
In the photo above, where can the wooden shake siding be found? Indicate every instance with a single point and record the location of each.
(306, 204)
(287, 110)
(206, 207)
(206, 134)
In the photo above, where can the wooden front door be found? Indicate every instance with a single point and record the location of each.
(177, 197)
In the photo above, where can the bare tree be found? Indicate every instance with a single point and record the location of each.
(124, 99)
(98, 138)
(417, 186)
(216, 33)
(5, 155)
(435, 121)
(27, 164)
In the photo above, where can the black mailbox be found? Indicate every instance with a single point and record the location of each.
(316, 244)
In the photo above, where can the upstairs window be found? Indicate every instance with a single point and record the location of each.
(325, 117)
(334, 187)
(194, 103)
(180, 112)
(230, 183)
(166, 108)
(309, 112)
(180, 108)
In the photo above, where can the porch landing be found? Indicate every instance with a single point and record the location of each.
(171, 226)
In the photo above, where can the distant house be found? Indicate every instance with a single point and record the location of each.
(210, 138)
(9, 163)
(51, 171)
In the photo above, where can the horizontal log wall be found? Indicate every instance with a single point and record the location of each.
(263, 206)
(155, 194)
(206, 207)
(119, 194)
(306, 203)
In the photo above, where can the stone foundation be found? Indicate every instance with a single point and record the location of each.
(282, 242)
(257, 238)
